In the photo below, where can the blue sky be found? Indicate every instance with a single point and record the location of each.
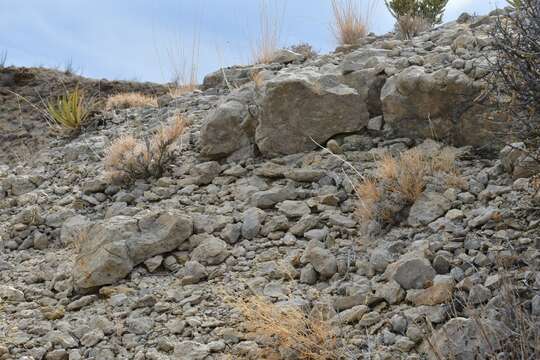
(147, 39)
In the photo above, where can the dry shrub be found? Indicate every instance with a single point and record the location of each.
(288, 327)
(130, 100)
(408, 26)
(399, 181)
(304, 49)
(128, 158)
(268, 37)
(350, 25)
(514, 333)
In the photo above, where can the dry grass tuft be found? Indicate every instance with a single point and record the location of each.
(268, 37)
(349, 26)
(288, 327)
(408, 26)
(399, 181)
(130, 100)
(128, 159)
(304, 49)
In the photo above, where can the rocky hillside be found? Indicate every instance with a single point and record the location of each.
(253, 207)
(22, 127)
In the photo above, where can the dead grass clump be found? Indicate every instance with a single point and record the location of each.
(349, 26)
(128, 158)
(399, 181)
(288, 327)
(408, 26)
(304, 49)
(130, 100)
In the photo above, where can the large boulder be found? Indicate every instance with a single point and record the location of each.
(115, 245)
(465, 339)
(230, 128)
(439, 104)
(304, 107)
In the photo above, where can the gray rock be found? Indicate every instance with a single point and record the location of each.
(468, 340)
(419, 104)
(252, 222)
(206, 172)
(429, 207)
(118, 244)
(230, 127)
(303, 108)
(193, 273)
(293, 209)
(212, 251)
(412, 273)
(268, 198)
(323, 261)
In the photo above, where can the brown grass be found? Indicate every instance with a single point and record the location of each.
(408, 26)
(128, 159)
(268, 37)
(130, 100)
(403, 177)
(349, 25)
(289, 327)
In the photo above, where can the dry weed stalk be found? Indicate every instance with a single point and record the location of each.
(268, 38)
(289, 327)
(128, 159)
(130, 100)
(349, 25)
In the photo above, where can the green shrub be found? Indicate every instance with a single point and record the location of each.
(430, 10)
(69, 111)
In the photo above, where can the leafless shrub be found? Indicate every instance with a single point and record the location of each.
(304, 49)
(516, 70)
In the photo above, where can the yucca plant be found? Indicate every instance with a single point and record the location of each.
(69, 111)
(514, 3)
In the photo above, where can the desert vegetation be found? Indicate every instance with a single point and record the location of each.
(130, 100)
(290, 329)
(415, 16)
(128, 158)
(516, 81)
(350, 24)
(399, 180)
(68, 112)
(268, 34)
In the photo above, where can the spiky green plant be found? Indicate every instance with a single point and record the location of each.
(430, 10)
(69, 111)
(514, 3)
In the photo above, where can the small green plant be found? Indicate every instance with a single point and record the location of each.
(430, 10)
(69, 111)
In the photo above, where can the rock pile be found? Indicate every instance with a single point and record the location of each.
(92, 270)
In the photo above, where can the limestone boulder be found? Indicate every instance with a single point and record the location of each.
(304, 107)
(441, 104)
(230, 128)
(115, 245)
